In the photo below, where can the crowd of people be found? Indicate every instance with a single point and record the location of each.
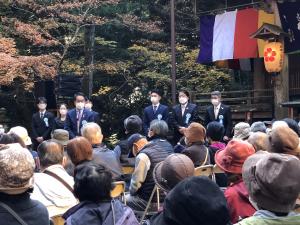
(65, 170)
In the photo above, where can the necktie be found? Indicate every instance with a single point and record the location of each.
(79, 113)
(42, 115)
(154, 109)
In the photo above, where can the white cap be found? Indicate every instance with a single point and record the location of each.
(22, 133)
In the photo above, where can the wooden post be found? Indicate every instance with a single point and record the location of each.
(173, 51)
(281, 82)
(89, 43)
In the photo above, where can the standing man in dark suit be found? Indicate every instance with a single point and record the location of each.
(155, 111)
(42, 123)
(77, 117)
(89, 106)
(183, 114)
(219, 112)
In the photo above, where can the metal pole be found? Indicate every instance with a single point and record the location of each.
(173, 49)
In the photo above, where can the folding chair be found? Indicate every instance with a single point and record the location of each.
(119, 190)
(143, 214)
(127, 169)
(204, 171)
(216, 170)
(57, 220)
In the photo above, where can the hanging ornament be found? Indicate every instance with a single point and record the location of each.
(273, 57)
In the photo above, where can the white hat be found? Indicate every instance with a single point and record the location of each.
(22, 133)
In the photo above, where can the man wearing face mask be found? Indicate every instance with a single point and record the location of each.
(220, 113)
(183, 114)
(42, 123)
(78, 117)
(155, 111)
(89, 106)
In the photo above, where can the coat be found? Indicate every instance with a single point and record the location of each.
(71, 121)
(52, 193)
(31, 211)
(238, 202)
(264, 217)
(161, 113)
(42, 127)
(99, 214)
(198, 153)
(178, 120)
(224, 113)
(106, 157)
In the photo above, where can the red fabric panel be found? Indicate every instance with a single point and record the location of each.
(246, 24)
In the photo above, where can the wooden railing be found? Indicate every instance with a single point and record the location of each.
(245, 103)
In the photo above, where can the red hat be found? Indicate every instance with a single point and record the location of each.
(232, 158)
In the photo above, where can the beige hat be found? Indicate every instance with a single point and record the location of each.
(241, 131)
(16, 169)
(22, 133)
(61, 136)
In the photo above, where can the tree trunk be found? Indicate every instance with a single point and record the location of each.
(89, 44)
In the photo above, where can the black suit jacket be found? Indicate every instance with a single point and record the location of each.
(224, 112)
(190, 115)
(161, 113)
(178, 120)
(42, 127)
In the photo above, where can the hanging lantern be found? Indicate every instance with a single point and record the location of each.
(273, 57)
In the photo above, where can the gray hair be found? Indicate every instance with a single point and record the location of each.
(91, 132)
(159, 128)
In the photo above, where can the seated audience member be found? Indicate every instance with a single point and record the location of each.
(132, 124)
(258, 127)
(175, 168)
(196, 150)
(20, 135)
(79, 150)
(148, 155)
(259, 141)
(96, 206)
(231, 161)
(214, 135)
(62, 137)
(284, 140)
(273, 181)
(11, 139)
(241, 131)
(278, 123)
(53, 186)
(194, 201)
(157, 134)
(16, 183)
(101, 154)
(293, 125)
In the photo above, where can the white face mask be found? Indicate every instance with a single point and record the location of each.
(215, 102)
(183, 100)
(79, 105)
(42, 106)
(88, 106)
(62, 112)
(154, 100)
